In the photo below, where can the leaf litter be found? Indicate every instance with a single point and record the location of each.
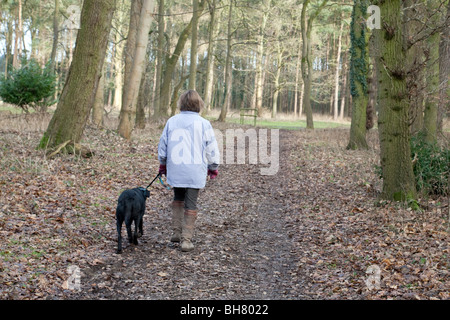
(309, 232)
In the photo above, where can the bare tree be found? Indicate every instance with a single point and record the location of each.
(128, 111)
(77, 98)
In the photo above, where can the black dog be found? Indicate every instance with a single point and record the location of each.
(131, 207)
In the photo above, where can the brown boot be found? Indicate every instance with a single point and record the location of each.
(177, 220)
(188, 230)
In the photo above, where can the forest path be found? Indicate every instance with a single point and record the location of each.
(244, 246)
(309, 232)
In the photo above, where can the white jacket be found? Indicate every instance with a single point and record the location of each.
(188, 148)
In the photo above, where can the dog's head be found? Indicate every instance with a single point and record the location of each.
(145, 192)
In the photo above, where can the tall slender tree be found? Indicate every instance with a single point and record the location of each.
(194, 41)
(430, 119)
(171, 62)
(211, 59)
(159, 57)
(444, 70)
(359, 61)
(228, 70)
(307, 25)
(128, 111)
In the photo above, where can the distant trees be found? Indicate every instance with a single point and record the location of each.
(293, 57)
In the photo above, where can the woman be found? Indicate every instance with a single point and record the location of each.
(187, 153)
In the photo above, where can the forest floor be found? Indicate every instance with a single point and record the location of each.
(309, 232)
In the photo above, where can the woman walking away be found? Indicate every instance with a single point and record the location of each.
(187, 153)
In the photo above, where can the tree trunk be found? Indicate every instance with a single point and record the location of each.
(430, 117)
(259, 86)
(444, 72)
(159, 58)
(128, 111)
(194, 40)
(393, 120)
(300, 104)
(297, 78)
(306, 25)
(344, 86)
(8, 40)
(118, 62)
(336, 77)
(358, 76)
(414, 61)
(210, 62)
(143, 100)
(99, 102)
(176, 89)
(228, 70)
(79, 91)
(276, 82)
(18, 36)
(171, 64)
(130, 47)
(55, 35)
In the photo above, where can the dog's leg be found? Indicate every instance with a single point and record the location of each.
(141, 222)
(128, 222)
(135, 234)
(119, 235)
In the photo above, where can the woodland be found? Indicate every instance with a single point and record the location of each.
(358, 91)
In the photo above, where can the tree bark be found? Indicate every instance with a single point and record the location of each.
(8, 40)
(118, 62)
(143, 100)
(228, 70)
(444, 71)
(79, 91)
(159, 57)
(276, 82)
(210, 62)
(259, 76)
(171, 64)
(344, 86)
(194, 41)
(18, 36)
(128, 111)
(358, 76)
(297, 78)
(306, 25)
(393, 120)
(130, 47)
(336, 76)
(430, 117)
(99, 102)
(55, 35)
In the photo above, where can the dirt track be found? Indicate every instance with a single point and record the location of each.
(309, 232)
(244, 247)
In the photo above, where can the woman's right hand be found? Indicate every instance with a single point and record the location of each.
(162, 169)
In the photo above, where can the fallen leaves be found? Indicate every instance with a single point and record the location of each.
(310, 232)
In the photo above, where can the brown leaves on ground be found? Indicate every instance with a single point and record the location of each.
(309, 232)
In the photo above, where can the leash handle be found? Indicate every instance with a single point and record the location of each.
(158, 175)
(162, 183)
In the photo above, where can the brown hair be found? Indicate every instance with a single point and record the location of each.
(190, 101)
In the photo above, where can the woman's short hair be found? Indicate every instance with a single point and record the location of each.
(190, 101)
